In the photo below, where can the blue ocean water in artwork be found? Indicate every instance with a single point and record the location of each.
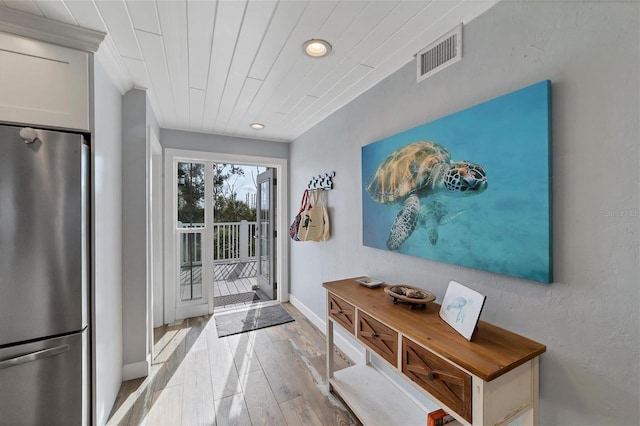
(505, 229)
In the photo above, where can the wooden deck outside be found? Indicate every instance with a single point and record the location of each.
(235, 284)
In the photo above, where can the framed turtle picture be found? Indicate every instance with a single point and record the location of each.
(461, 308)
(471, 189)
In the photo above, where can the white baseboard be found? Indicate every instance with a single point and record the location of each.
(135, 370)
(355, 353)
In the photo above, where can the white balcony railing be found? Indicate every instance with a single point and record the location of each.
(232, 242)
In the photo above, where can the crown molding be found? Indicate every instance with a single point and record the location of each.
(37, 27)
(114, 66)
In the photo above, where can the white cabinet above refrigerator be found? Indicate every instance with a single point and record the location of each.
(43, 83)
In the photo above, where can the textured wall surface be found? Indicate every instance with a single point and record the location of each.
(588, 317)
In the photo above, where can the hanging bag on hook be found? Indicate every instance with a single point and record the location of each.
(293, 229)
(326, 234)
(314, 220)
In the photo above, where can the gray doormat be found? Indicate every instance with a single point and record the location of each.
(230, 299)
(252, 319)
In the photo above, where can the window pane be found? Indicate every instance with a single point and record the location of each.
(190, 195)
(190, 266)
(263, 267)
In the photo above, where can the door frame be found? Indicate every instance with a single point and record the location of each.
(280, 165)
(270, 174)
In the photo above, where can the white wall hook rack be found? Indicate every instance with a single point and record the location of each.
(322, 181)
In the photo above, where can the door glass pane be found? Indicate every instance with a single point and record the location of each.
(190, 195)
(190, 266)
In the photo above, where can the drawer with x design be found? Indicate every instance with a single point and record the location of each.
(490, 380)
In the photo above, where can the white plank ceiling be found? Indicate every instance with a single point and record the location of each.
(217, 66)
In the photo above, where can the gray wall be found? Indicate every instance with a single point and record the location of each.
(135, 119)
(179, 139)
(107, 212)
(588, 317)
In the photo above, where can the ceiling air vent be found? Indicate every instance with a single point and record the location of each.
(440, 54)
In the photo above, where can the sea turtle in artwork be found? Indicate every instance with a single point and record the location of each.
(434, 214)
(416, 171)
(458, 303)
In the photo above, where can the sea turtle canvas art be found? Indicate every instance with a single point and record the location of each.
(420, 170)
(472, 188)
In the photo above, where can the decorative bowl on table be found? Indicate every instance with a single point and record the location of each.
(415, 297)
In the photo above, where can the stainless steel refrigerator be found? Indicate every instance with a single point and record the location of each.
(44, 300)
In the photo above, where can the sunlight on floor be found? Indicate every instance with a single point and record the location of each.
(270, 376)
(165, 348)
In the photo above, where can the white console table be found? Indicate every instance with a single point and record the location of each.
(491, 380)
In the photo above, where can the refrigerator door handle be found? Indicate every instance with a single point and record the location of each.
(23, 359)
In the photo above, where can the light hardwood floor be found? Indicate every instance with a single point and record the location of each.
(273, 376)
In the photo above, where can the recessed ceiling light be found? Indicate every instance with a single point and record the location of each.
(257, 126)
(316, 48)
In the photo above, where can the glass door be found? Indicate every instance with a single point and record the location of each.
(211, 233)
(192, 297)
(265, 233)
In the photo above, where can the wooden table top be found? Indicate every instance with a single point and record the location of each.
(492, 352)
